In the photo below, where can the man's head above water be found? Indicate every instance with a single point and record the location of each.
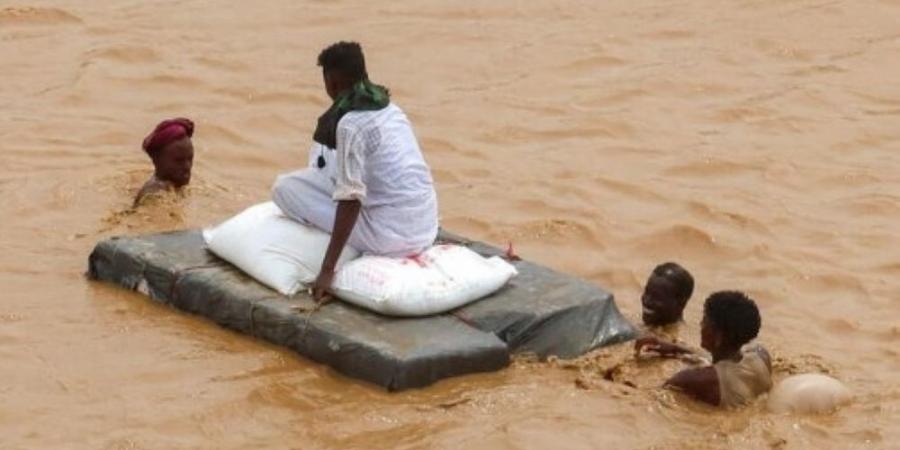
(666, 294)
(343, 64)
(730, 320)
(171, 150)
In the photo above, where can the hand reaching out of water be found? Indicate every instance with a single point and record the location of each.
(656, 345)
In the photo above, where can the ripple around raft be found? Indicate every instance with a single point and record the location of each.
(552, 230)
(595, 62)
(709, 212)
(224, 133)
(670, 34)
(842, 325)
(833, 288)
(36, 16)
(711, 167)
(891, 268)
(818, 69)
(598, 129)
(217, 63)
(126, 54)
(884, 205)
(679, 241)
(629, 189)
(742, 114)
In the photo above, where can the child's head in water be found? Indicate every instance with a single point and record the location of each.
(666, 294)
(730, 320)
(172, 152)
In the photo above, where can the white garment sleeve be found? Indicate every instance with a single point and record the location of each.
(351, 158)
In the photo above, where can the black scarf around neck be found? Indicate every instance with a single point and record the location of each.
(363, 96)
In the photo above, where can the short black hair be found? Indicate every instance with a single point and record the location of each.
(346, 58)
(680, 278)
(734, 314)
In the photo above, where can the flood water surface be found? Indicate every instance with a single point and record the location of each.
(757, 142)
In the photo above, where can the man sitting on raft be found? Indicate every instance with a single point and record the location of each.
(170, 148)
(739, 372)
(367, 181)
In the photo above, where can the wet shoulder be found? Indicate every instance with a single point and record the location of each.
(152, 190)
(757, 352)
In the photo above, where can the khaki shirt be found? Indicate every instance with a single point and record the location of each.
(742, 381)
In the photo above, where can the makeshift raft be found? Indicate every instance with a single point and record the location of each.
(541, 312)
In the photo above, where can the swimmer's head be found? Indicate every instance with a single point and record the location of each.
(730, 320)
(343, 64)
(666, 294)
(171, 149)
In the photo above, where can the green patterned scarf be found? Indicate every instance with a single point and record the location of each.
(364, 96)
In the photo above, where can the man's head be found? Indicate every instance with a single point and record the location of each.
(666, 294)
(343, 64)
(171, 150)
(730, 320)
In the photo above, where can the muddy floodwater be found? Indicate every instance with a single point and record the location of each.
(757, 142)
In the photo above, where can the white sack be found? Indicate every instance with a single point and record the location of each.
(277, 251)
(440, 279)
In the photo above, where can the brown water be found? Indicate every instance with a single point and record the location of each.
(755, 141)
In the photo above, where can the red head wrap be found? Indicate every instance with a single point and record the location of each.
(166, 132)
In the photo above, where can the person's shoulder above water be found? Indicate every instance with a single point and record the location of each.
(171, 150)
(152, 187)
(742, 381)
(739, 372)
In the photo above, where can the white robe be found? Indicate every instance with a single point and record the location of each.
(379, 163)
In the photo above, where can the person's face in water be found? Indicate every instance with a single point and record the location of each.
(661, 305)
(174, 162)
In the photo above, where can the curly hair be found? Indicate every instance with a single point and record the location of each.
(346, 58)
(734, 314)
(680, 278)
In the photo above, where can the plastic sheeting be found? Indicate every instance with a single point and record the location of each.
(540, 311)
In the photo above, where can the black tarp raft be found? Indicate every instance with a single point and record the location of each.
(541, 312)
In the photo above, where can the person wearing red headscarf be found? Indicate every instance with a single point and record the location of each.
(170, 148)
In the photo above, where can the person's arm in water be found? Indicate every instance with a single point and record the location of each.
(663, 348)
(701, 383)
(344, 220)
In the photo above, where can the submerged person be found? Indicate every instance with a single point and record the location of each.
(367, 181)
(170, 148)
(740, 371)
(666, 294)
